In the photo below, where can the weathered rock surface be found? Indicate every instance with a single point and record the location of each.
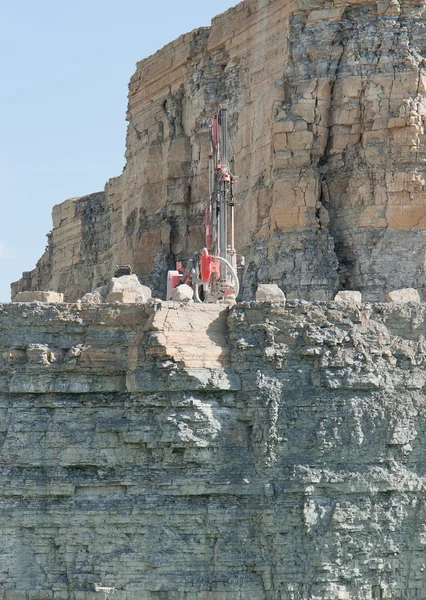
(195, 452)
(92, 298)
(348, 296)
(128, 290)
(269, 292)
(37, 296)
(328, 109)
(183, 293)
(405, 295)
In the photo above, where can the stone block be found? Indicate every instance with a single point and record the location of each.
(128, 290)
(269, 292)
(183, 293)
(403, 295)
(348, 296)
(287, 218)
(50, 297)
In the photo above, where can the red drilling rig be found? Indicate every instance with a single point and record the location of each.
(212, 273)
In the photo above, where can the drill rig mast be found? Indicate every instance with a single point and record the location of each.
(212, 273)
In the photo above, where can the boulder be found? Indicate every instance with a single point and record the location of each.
(269, 292)
(404, 295)
(92, 298)
(50, 297)
(348, 296)
(183, 293)
(127, 290)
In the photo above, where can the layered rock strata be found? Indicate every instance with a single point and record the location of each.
(327, 104)
(186, 452)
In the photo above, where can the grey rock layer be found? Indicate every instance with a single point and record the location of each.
(199, 452)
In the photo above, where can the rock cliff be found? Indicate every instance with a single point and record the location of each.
(167, 452)
(328, 106)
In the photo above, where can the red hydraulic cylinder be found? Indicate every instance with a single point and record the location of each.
(208, 266)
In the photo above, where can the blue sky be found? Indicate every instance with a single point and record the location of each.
(63, 95)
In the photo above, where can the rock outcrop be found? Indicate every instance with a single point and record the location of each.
(189, 452)
(348, 296)
(38, 296)
(328, 107)
(127, 289)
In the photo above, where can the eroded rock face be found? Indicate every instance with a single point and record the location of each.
(327, 111)
(255, 452)
(127, 289)
(37, 296)
(93, 298)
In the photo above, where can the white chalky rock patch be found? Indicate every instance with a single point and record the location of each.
(183, 293)
(128, 290)
(348, 296)
(50, 297)
(269, 292)
(403, 295)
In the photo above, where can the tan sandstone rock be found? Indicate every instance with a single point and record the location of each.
(329, 145)
(92, 298)
(348, 296)
(37, 296)
(183, 293)
(269, 292)
(128, 290)
(405, 295)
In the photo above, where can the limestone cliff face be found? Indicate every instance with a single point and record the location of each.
(191, 453)
(327, 104)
